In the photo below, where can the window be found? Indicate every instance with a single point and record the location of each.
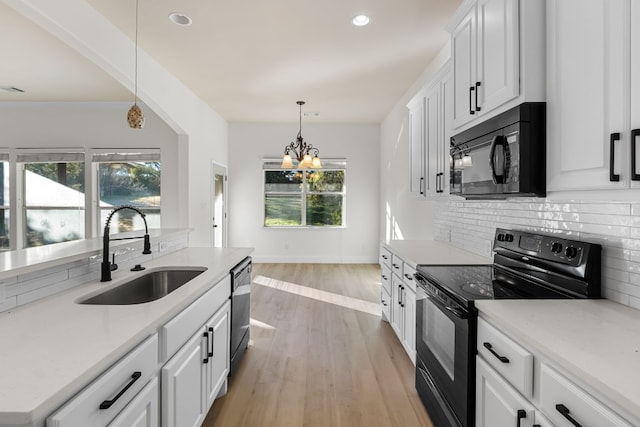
(310, 198)
(4, 202)
(54, 205)
(128, 178)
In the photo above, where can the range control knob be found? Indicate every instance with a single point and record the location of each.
(500, 237)
(556, 247)
(571, 252)
(509, 237)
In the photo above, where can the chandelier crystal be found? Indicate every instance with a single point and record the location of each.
(301, 151)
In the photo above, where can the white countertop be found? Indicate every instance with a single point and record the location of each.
(597, 341)
(51, 348)
(432, 252)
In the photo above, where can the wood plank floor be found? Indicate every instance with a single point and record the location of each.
(319, 354)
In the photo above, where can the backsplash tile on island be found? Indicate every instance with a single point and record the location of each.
(25, 288)
(471, 225)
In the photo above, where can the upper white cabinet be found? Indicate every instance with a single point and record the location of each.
(593, 98)
(498, 57)
(430, 116)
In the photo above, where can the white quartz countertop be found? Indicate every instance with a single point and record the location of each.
(51, 348)
(432, 252)
(597, 341)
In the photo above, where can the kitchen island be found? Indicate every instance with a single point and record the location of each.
(54, 347)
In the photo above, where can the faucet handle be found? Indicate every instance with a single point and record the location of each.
(114, 266)
(147, 245)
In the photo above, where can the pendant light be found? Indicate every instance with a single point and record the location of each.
(135, 117)
(301, 150)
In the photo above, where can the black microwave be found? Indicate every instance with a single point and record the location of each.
(504, 156)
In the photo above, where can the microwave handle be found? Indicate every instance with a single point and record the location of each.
(497, 140)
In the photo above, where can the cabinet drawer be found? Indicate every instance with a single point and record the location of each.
(385, 279)
(396, 264)
(508, 358)
(176, 331)
(84, 408)
(385, 257)
(561, 401)
(407, 276)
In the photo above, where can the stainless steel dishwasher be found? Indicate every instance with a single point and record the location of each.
(240, 311)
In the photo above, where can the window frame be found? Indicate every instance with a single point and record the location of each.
(327, 165)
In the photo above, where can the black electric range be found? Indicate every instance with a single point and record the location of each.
(526, 266)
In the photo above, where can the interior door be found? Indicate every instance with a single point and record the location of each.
(219, 206)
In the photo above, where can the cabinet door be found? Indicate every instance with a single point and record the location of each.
(433, 138)
(634, 93)
(409, 329)
(463, 45)
(218, 366)
(183, 385)
(417, 144)
(446, 102)
(498, 57)
(585, 94)
(396, 305)
(497, 403)
(142, 411)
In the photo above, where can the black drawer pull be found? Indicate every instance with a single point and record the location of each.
(634, 134)
(408, 276)
(478, 84)
(385, 257)
(613, 177)
(212, 337)
(471, 90)
(521, 414)
(107, 403)
(565, 413)
(206, 359)
(489, 347)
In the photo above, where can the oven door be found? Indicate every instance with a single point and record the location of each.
(445, 362)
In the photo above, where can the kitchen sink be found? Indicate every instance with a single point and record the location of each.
(149, 287)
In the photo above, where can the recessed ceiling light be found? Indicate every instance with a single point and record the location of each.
(180, 19)
(360, 20)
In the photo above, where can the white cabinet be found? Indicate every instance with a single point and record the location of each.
(593, 95)
(196, 373)
(517, 386)
(566, 404)
(143, 411)
(498, 57)
(497, 403)
(111, 392)
(385, 281)
(430, 115)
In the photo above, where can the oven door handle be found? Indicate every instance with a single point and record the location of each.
(460, 314)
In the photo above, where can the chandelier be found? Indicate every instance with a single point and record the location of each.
(301, 151)
(135, 116)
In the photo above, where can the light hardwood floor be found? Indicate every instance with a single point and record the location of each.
(319, 354)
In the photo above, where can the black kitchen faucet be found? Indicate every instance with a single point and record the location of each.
(107, 266)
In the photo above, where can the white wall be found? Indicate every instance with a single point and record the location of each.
(94, 125)
(403, 216)
(202, 133)
(249, 143)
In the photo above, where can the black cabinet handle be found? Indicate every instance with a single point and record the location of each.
(612, 155)
(565, 413)
(489, 347)
(212, 337)
(107, 403)
(634, 134)
(408, 276)
(521, 414)
(478, 84)
(402, 293)
(421, 184)
(396, 266)
(384, 303)
(471, 90)
(384, 277)
(206, 359)
(536, 425)
(385, 257)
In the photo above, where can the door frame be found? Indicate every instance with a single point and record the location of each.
(219, 169)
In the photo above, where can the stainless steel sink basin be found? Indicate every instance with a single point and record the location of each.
(148, 287)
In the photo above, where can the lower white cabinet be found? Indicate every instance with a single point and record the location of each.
(515, 386)
(497, 403)
(143, 411)
(100, 402)
(195, 374)
(403, 306)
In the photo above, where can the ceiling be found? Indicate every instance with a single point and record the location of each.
(250, 60)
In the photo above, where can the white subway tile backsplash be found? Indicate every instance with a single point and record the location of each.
(615, 225)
